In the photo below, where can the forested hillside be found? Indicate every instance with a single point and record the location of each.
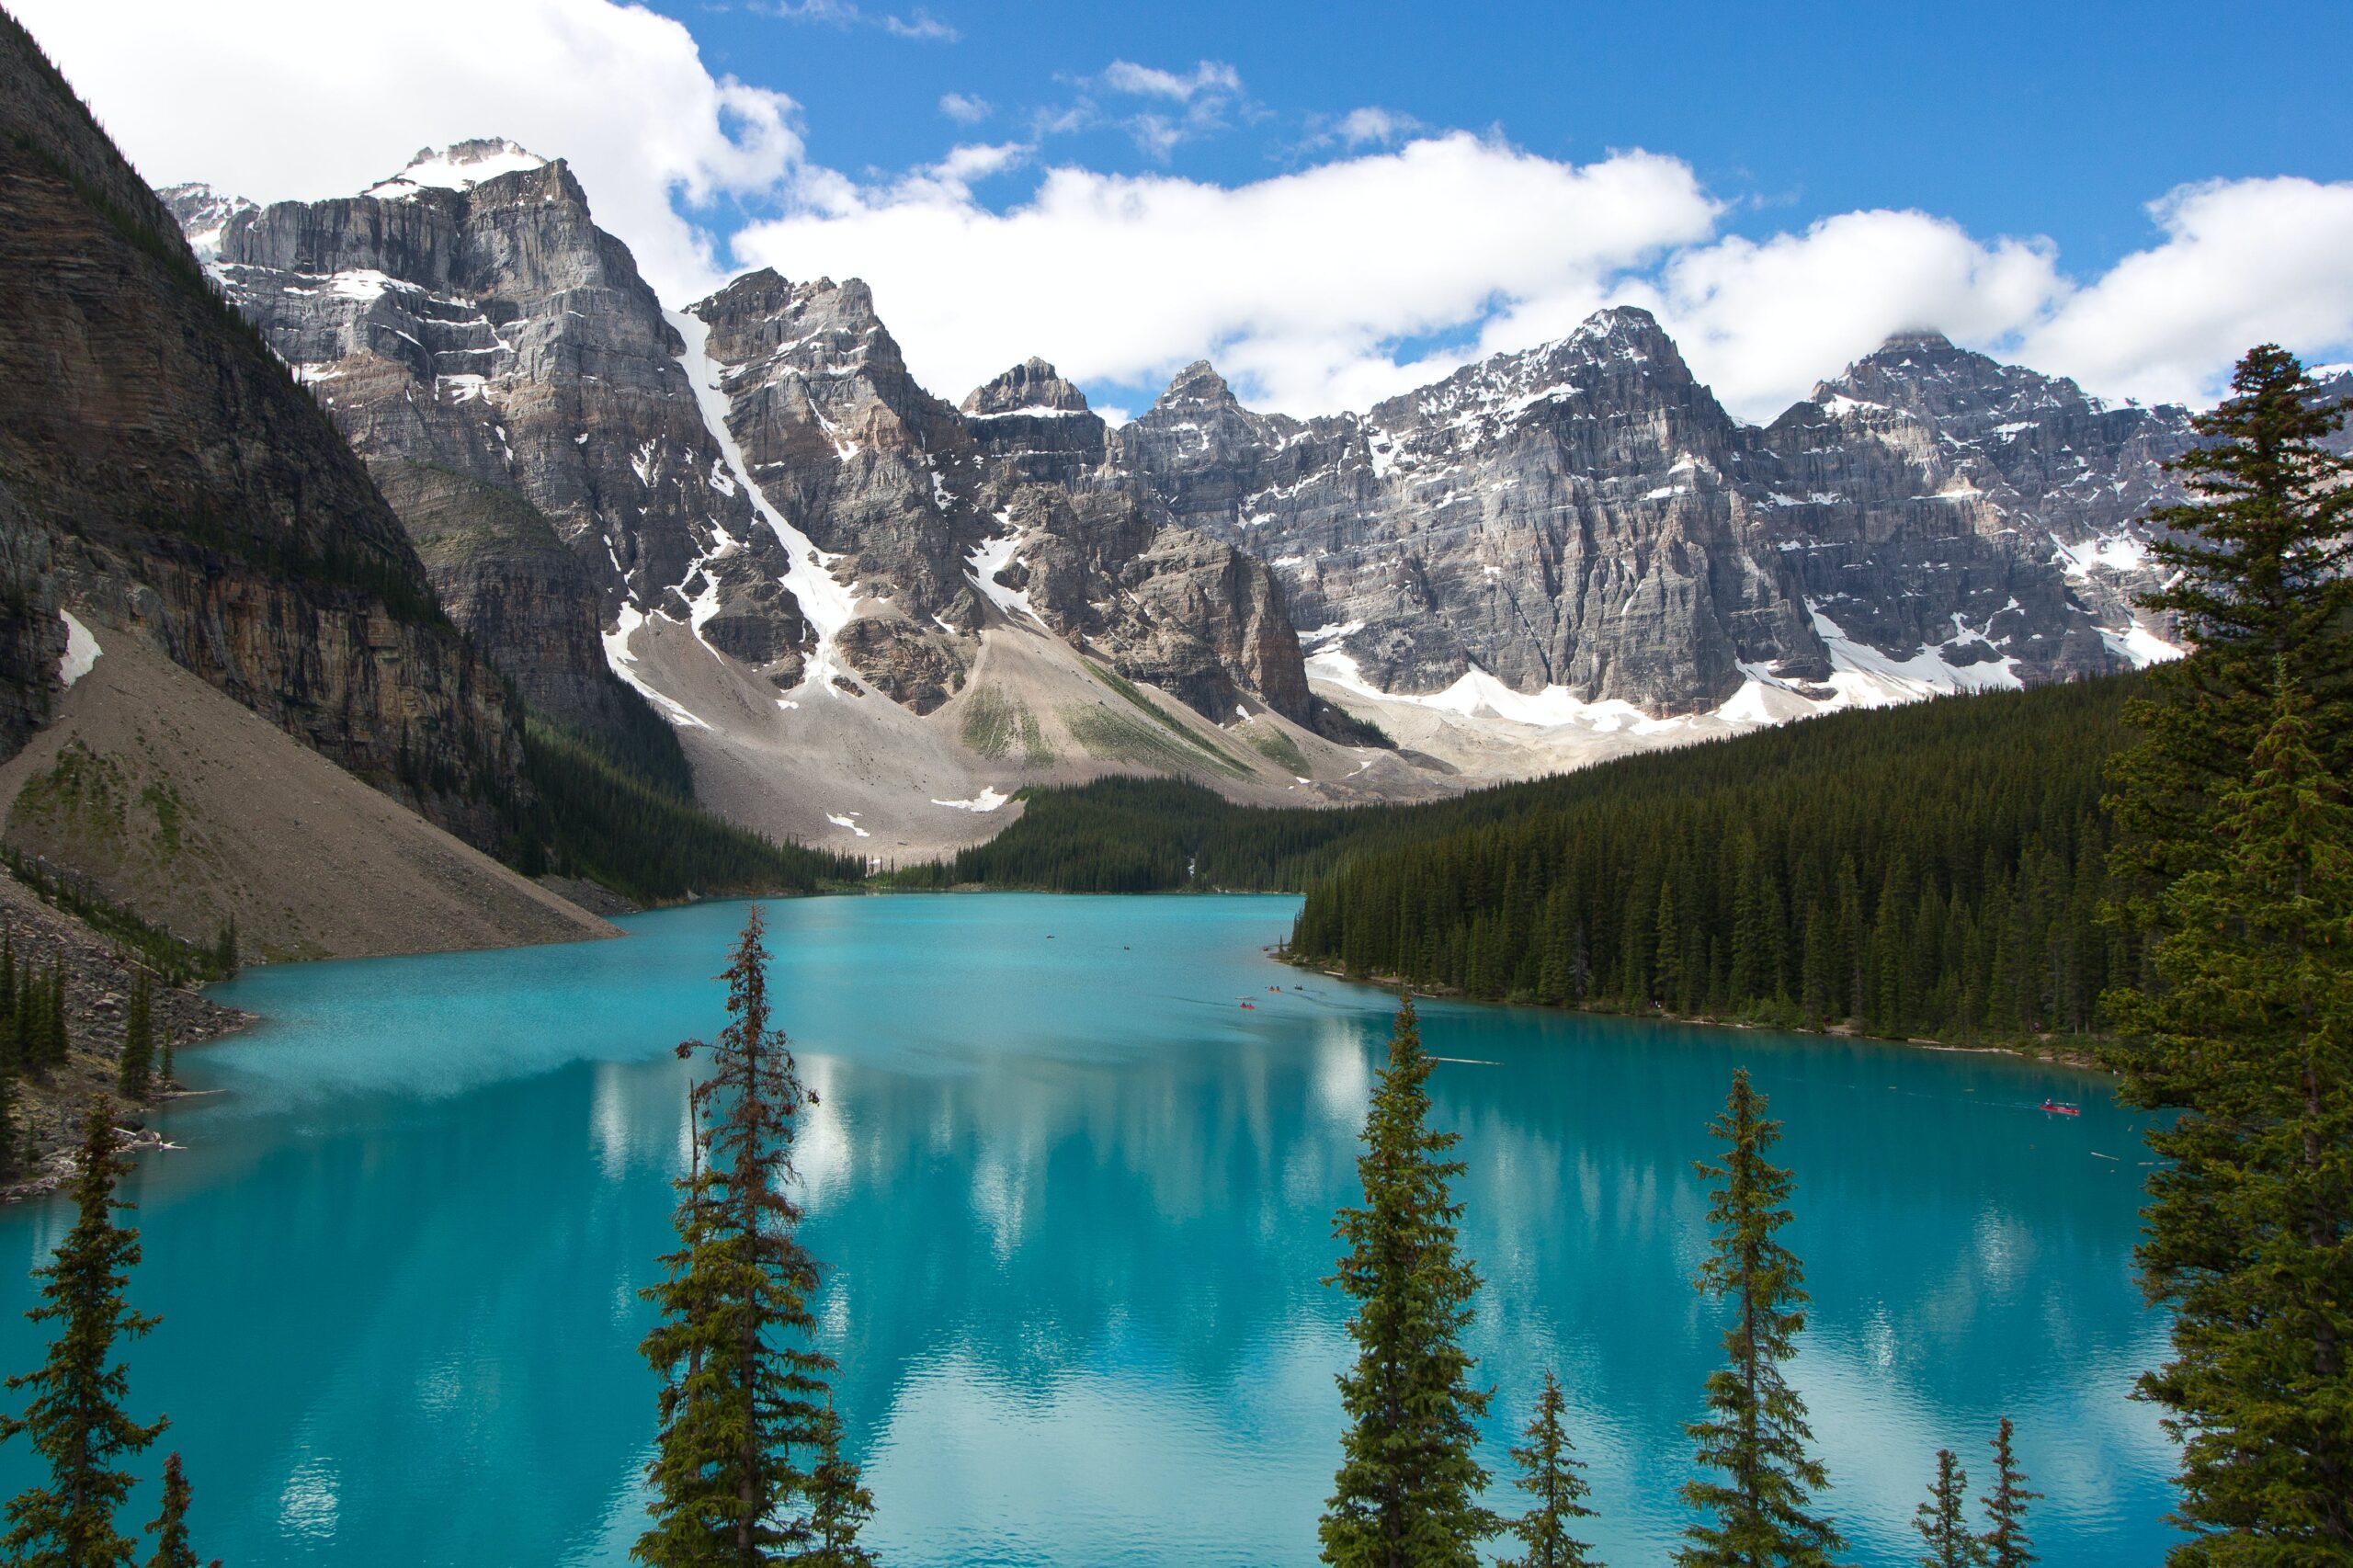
(1936, 870)
(1928, 870)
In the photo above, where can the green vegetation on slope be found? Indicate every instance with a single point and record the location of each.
(1936, 870)
(595, 820)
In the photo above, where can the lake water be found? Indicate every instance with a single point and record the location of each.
(1076, 1202)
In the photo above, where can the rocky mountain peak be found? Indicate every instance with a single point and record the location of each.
(1197, 383)
(461, 165)
(202, 214)
(1925, 375)
(1031, 387)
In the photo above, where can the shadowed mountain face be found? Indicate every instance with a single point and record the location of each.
(161, 471)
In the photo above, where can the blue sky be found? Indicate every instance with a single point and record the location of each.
(2056, 119)
(1337, 202)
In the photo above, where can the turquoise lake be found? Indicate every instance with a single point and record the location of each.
(1077, 1203)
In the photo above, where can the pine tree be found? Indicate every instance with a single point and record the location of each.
(1758, 1434)
(741, 1390)
(1550, 1473)
(1941, 1519)
(56, 1049)
(840, 1504)
(1407, 1489)
(136, 1078)
(2249, 1234)
(74, 1417)
(2005, 1542)
(29, 1038)
(170, 1526)
(2255, 568)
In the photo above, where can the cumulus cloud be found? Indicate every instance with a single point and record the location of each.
(288, 98)
(1762, 321)
(2242, 262)
(1298, 283)
(965, 108)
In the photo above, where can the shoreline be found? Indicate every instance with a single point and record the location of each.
(2083, 1059)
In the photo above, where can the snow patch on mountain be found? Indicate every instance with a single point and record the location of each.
(827, 605)
(461, 166)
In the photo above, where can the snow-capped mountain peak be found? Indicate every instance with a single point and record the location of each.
(461, 165)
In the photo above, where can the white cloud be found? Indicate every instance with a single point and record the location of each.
(1296, 283)
(288, 98)
(2243, 262)
(1374, 126)
(1761, 321)
(919, 23)
(965, 108)
(1145, 81)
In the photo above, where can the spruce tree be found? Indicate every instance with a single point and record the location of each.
(28, 1040)
(136, 1077)
(1550, 1473)
(2249, 1233)
(2005, 1542)
(2255, 568)
(1406, 1493)
(170, 1525)
(1941, 1520)
(1757, 1435)
(75, 1417)
(840, 1504)
(57, 1048)
(741, 1389)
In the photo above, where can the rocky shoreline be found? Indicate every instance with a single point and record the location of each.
(50, 1103)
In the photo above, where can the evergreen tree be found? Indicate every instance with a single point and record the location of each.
(1757, 1436)
(74, 1417)
(2006, 1543)
(56, 1048)
(170, 1526)
(1941, 1519)
(1554, 1477)
(2249, 1236)
(1406, 1493)
(2255, 569)
(136, 1078)
(840, 1504)
(29, 1044)
(741, 1390)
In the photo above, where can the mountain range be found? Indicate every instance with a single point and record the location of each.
(870, 615)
